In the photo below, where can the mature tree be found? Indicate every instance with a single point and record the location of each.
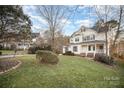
(99, 25)
(105, 17)
(55, 18)
(120, 18)
(25, 30)
(12, 21)
(44, 40)
(111, 17)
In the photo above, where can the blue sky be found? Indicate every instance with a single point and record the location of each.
(85, 16)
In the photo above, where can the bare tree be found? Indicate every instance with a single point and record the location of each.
(121, 11)
(112, 17)
(103, 13)
(55, 17)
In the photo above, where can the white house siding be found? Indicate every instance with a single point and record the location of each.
(66, 48)
(100, 36)
(85, 39)
(84, 49)
(72, 40)
(23, 46)
(88, 32)
(79, 49)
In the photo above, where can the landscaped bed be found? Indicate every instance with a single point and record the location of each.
(7, 65)
(71, 71)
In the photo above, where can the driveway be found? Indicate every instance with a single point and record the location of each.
(9, 56)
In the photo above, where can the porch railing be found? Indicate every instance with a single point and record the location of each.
(100, 51)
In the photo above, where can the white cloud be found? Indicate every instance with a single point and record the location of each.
(28, 9)
(39, 19)
(86, 22)
(36, 27)
(83, 6)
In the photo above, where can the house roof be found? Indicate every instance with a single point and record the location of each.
(82, 29)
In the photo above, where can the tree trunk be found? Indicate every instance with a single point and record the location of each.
(53, 41)
(106, 42)
(118, 29)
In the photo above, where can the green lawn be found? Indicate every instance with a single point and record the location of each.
(6, 52)
(71, 71)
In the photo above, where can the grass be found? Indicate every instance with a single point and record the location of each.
(69, 72)
(6, 52)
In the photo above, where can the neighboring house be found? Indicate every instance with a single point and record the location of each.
(34, 36)
(27, 43)
(18, 45)
(87, 42)
(21, 44)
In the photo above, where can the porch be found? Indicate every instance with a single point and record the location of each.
(91, 49)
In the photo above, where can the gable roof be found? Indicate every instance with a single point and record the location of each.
(82, 29)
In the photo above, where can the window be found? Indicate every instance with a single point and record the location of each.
(19, 44)
(84, 39)
(88, 38)
(75, 49)
(76, 39)
(93, 37)
(66, 48)
(89, 48)
(101, 47)
(93, 48)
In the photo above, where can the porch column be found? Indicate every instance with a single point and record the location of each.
(108, 48)
(87, 49)
(63, 49)
(95, 50)
(104, 47)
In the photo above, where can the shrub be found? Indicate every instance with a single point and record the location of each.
(0, 53)
(32, 50)
(44, 56)
(104, 59)
(69, 53)
(121, 56)
(90, 54)
(115, 54)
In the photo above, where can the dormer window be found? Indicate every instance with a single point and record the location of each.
(76, 39)
(84, 38)
(93, 37)
(88, 38)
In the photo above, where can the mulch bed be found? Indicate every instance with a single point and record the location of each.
(6, 65)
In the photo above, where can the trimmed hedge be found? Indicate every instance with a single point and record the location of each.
(68, 53)
(104, 59)
(44, 56)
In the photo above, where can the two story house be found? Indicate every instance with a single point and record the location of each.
(86, 42)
